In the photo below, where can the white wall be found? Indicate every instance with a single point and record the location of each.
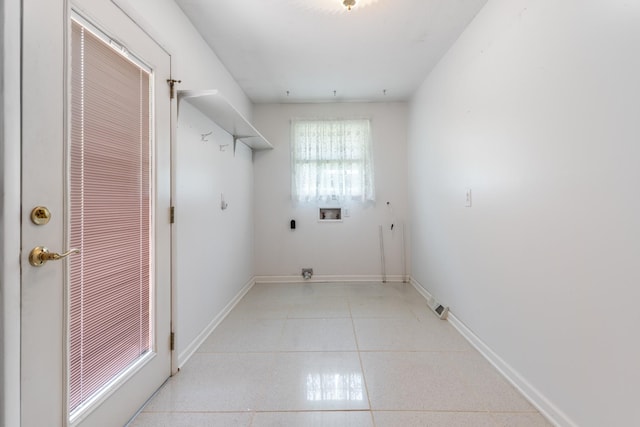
(214, 259)
(214, 246)
(349, 248)
(192, 60)
(536, 109)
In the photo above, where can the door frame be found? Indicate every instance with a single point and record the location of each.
(10, 161)
(126, 7)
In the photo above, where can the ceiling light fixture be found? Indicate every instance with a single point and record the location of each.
(334, 6)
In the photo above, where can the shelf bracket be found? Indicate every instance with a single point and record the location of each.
(235, 140)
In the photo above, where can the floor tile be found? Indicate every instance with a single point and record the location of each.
(416, 382)
(395, 334)
(325, 354)
(209, 382)
(285, 292)
(491, 388)
(255, 308)
(434, 419)
(320, 307)
(367, 290)
(191, 419)
(521, 420)
(244, 335)
(318, 335)
(329, 289)
(315, 381)
(417, 303)
(380, 306)
(423, 312)
(313, 419)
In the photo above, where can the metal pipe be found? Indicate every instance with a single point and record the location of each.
(404, 255)
(384, 273)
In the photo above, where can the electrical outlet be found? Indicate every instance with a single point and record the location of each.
(467, 202)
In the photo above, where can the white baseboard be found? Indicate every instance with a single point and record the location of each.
(422, 291)
(326, 279)
(553, 414)
(186, 354)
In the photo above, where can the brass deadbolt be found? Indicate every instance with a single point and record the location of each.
(40, 215)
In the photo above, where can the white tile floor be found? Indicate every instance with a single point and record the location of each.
(343, 355)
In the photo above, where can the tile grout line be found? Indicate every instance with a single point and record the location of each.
(271, 372)
(364, 379)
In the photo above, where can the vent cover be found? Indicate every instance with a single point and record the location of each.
(440, 310)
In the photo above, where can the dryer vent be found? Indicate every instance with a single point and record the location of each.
(307, 273)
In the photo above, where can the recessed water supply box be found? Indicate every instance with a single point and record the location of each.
(329, 214)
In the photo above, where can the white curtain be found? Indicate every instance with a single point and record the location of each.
(332, 161)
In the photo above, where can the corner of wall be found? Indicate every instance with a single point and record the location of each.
(533, 395)
(193, 346)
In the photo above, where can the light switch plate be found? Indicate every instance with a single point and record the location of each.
(467, 202)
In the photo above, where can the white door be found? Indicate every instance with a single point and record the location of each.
(49, 121)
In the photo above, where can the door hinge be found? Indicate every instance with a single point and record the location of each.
(172, 83)
(172, 215)
(172, 341)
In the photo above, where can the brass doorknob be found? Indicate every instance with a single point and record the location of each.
(40, 255)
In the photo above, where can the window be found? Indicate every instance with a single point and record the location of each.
(332, 161)
(110, 199)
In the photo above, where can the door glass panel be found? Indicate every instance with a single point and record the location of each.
(109, 194)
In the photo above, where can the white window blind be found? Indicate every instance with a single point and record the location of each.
(332, 160)
(110, 215)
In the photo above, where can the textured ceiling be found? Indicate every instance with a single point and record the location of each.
(380, 50)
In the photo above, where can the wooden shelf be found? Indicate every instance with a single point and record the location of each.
(213, 105)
